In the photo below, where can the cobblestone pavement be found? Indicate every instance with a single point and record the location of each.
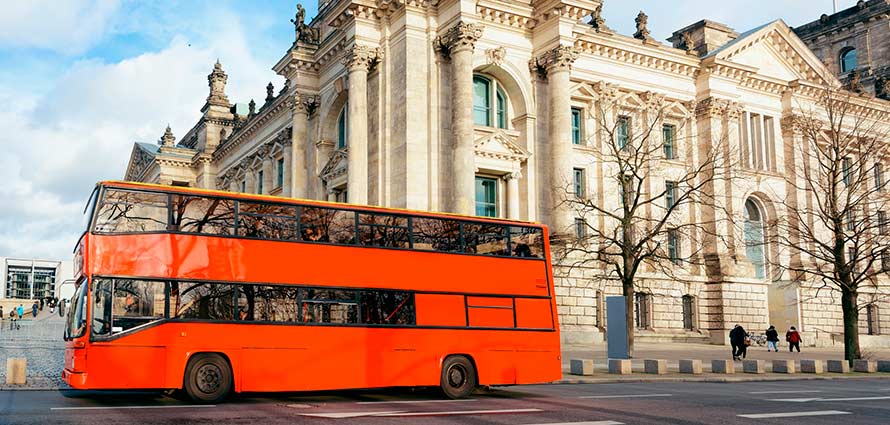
(40, 341)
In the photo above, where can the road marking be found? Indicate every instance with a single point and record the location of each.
(396, 414)
(417, 401)
(625, 396)
(132, 407)
(585, 423)
(805, 400)
(344, 415)
(794, 414)
(785, 392)
(460, 412)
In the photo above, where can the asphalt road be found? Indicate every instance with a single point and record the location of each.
(847, 401)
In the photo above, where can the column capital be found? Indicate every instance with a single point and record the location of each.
(361, 57)
(559, 58)
(516, 175)
(303, 103)
(462, 36)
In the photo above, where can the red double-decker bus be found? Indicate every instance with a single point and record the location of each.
(213, 292)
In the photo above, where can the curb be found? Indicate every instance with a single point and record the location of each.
(722, 379)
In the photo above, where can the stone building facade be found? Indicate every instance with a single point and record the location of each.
(489, 107)
(855, 45)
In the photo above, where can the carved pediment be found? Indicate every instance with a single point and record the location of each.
(141, 158)
(500, 145)
(335, 167)
(775, 52)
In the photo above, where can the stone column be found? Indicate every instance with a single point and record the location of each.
(332, 195)
(358, 61)
(267, 175)
(289, 170)
(296, 175)
(513, 194)
(459, 42)
(558, 65)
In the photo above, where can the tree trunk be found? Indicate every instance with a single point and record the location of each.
(628, 288)
(851, 325)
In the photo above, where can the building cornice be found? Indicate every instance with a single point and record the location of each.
(635, 52)
(279, 106)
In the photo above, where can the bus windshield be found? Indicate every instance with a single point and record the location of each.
(76, 321)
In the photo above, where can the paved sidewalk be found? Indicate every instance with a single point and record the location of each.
(39, 340)
(674, 352)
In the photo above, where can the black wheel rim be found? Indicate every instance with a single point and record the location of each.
(457, 376)
(209, 378)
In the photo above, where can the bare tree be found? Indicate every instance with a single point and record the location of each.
(836, 231)
(655, 223)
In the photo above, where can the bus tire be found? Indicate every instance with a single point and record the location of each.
(458, 377)
(208, 378)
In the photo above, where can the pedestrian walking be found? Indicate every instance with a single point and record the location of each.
(34, 309)
(41, 304)
(1, 313)
(12, 322)
(737, 338)
(21, 311)
(793, 338)
(772, 339)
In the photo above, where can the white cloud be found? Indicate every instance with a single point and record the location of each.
(57, 146)
(69, 26)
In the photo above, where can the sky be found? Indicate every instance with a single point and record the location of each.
(81, 80)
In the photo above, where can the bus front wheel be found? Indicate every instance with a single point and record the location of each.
(208, 378)
(458, 377)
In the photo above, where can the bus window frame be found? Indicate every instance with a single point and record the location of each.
(350, 209)
(237, 288)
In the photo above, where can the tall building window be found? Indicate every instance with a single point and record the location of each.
(847, 166)
(850, 220)
(578, 177)
(486, 197)
(879, 176)
(580, 228)
(882, 222)
(758, 141)
(673, 245)
(688, 312)
(872, 317)
(670, 194)
(754, 238)
(280, 178)
(342, 128)
(485, 89)
(622, 131)
(576, 126)
(259, 179)
(667, 133)
(643, 310)
(849, 61)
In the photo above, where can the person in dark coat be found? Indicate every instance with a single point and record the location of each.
(34, 309)
(772, 339)
(793, 338)
(737, 340)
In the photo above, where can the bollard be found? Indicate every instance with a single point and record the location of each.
(722, 366)
(783, 366)
(16, 370)
(656, 367)
(753, 366)
(581, 367)
(838, 366)
(865, 366)
(811, 366)
(690, 366)
(619, 367)
(883, 365)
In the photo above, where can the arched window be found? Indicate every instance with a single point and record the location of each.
(342, 129)
(484, 113)
(754, 238)
(848, 59)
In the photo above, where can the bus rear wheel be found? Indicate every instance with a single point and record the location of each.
(458, 377)
(208, 378)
